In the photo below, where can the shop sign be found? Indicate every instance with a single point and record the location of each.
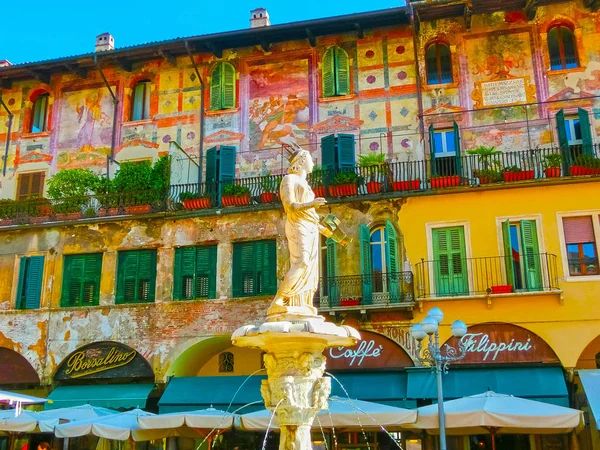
(104, 360)
(373, 351)
(503, 343)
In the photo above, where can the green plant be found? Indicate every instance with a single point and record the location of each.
(347, 178)
(133, 176)
(269, 183)
(161, 174)
(371, 160)
(69, 205)
(552, 161)
(589, 161)
(89, 212)
(8, 209)
(317, 176)
(73, 183)
(488, 174)
(235, 190)
(513, 169)
(485, 155)
(184, 196)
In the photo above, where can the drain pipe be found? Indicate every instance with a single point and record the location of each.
(115, 114)
(201, 131)
(9, 128)
(418, 74)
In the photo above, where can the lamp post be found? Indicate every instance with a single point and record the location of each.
(432, 355)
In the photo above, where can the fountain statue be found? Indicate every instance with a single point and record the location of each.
(294, 336)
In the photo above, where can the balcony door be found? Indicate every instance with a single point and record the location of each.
(450, 262)
(522, 255)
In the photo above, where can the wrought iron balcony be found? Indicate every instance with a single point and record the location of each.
(456, 276)
(376, 291)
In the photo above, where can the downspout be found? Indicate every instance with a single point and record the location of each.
(418, 77)
(201, 131)
(10, 121)
(115, 114)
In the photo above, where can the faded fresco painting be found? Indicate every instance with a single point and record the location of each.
(85, 128)
(279, 109)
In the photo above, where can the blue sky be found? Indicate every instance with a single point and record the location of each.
(37, 30)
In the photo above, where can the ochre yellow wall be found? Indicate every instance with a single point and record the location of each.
(246, 361)
(568, 321)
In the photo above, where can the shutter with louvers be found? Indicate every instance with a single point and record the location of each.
(37, 185)
(563, 141)
(432, 150)
(244, 267)
(72, 277)
(216, 89)
(185, 268)
(531, 256)
(206, 272)
(345, 146)
(228, 86)
(130, 273)
(586, 132)
(457, 152)
(227, 163)
(393, 275)
(332, 286)
(509, 265)
(328, 72)
(211, 165)
(342, 72)
(137, 112)
(90, 290)
(23, 189)
(270, 267)
(328, 153)
(19, 301)
(33, 283)
(146, 282)
(578, 230)
(449, 261)
(365, 264)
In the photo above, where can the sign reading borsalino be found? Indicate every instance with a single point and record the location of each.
(104, 360)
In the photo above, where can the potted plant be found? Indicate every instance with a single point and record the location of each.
(8, 210)
(487, 176)
(444, 181)
(317, 181)
(235, 195)
(585, 165)
(69, 208)
(515, 173)
(269, 186)
(345, 183)
(195, 200)
(552, 165)
(488, 172)
(375, 166)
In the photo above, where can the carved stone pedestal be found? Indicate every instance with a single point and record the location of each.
(295, 388)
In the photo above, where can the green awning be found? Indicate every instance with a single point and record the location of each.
(545, 384)
(388, 388)
(115, 396)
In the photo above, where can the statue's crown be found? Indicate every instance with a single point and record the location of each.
(292, 149)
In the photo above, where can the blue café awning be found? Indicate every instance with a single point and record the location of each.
(115, 396)
(388, 388)
(590, 379)
(545, 384)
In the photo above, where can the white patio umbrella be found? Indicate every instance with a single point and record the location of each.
(343, 413)
(18, 399)
(204, 422)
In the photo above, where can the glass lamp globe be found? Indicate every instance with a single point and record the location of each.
(417, 332)
(437, 314)
(429, 324)
(458, 328)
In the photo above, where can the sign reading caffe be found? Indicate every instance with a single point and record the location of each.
(373, 351)
(495, 343)
(104, 360)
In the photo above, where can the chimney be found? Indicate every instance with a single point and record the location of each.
(105, 42)
(5, 63)
(259, 17)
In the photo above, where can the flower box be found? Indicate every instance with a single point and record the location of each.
(552, 172)
(373, 187)
(268, 197)
(412, 185)
(343, 190)
(197, 203)
(319, 191)
(46, 210)
(137, 209)
(518, 176)
(62, 216)
(504, 289)
(236, 200)
(6, 222)
(349, 302)
(443, 182)
(581, 170)
(486, 180)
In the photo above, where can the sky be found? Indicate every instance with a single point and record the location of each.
(35, 30)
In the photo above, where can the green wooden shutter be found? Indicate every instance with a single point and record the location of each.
(432, 150)
(244, 269)
(509, 265)
(328, 152)
(228, 86)
(177, 275)
(92, 274)
(457, 151)
(449, 265)
(345, 147)
(146, 282)
(393, 269)
(19, 301)
(266, 267)
(342, 72)
(72, 280)
(328, 72)
(365, 264)
(333, 292)
(216, 89)
(185, 270)
(81, 280)
(206, 272)
(138, 102)
(33, 283)
(563, 141)
(211, 165)
(531, 255)
(586, 132)
(236, 271)
(226, 163)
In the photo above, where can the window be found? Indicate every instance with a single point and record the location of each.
(444, 151)
(337, 152)
(562, 48)
(195, 273)
(226, 362)
(449, 261)
(136, 276)
(582, 250)
(29, 287)
(81, 280)
(30, 185)
(438, 62)
(522, 255)
(254, 268)
(39, 120)
(140, 103)
(335, 72)
(222, 87)
(220, 164)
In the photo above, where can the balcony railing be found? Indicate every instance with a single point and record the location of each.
(456, 276)
(365, 291)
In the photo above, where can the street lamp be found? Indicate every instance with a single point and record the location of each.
(433, 356)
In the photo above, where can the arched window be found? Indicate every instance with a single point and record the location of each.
(562, 48)
(39, 121)
(140, 104)
(222, 87)
(226, 362)
(379, 258)
(335, 72)
(438, 62)
(380, 263)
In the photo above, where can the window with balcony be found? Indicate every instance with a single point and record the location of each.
(582, 247)
(438, 62)
(574, 137)
(195, 273)
(254, 268)
(226, 362)
(338, 152)
(522, 255)
(222, 87)
(39, 119)
(445, 151)
(335, 72)
(29, 287)
(136, 276)
(449, 261)
(562, 48)
(140, 102)
(30, 185)
(81, 280)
